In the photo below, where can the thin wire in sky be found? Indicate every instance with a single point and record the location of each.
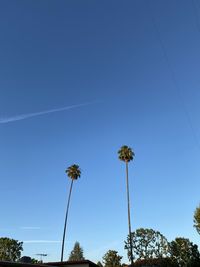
(173, 77)
(196, 15)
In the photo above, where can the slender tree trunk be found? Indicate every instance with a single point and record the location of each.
(129, 217)
(66, 217)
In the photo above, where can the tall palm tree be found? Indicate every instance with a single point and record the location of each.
(126, 154)
(73, 173)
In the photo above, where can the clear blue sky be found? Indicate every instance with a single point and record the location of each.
(138, 64)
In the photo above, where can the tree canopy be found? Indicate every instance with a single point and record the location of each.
(147, 244)
(161, 262)
(10, 249)
(77, 253)
(27, 259)
(112, 259)
(197, 219)
(73, 172)
(126, 154)
(99, 264)
(184, 252)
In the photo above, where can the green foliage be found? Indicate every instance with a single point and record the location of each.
(147, 244)
(197, 219)
(126, 154)
(35, 261)
(77, 253)
(73, 172)
(25, 259)
(162, 262)
(10, 249)
(112, 259)
(99, 264)
(184, 252)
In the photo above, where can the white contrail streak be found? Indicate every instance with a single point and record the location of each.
(30, 115)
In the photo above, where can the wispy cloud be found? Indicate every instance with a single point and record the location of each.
(30, 115)
(30, 228)
(40, 241)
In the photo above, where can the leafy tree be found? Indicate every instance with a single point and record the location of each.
(73, 173)
(35, 261)
(99, 264)
(10, 249)
(184, 252)
(25, 259)
(126, 154)
(147, 244)
(162, 262)
(77, 253)
(112, 259)
(197, 219)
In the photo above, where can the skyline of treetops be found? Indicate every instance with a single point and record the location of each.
(142, 245)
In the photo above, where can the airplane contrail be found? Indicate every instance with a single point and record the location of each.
(30, 115)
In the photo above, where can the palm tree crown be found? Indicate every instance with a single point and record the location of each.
(126, 154)
(73, 172)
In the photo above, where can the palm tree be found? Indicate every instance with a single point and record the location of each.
(73, 173)
(126, 154)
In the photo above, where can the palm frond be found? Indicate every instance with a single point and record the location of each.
(73, 172)
(126, 153)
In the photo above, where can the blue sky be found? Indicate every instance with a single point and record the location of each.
(135, 65)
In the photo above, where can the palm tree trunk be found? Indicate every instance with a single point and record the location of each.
(66, 217)
(129, 217)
